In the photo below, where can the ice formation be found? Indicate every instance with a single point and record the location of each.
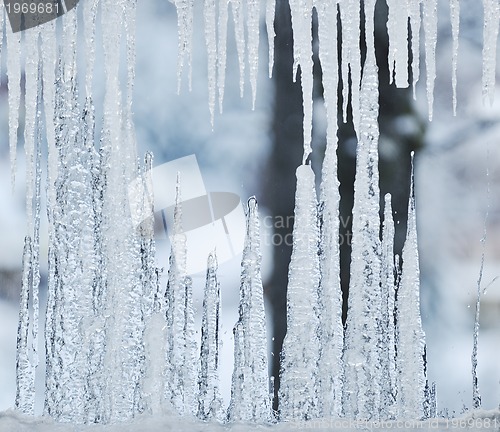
(250, 399)
(300, 354)
(118, 343)
(209, 400)
(410, 345)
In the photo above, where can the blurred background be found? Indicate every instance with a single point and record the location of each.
(256, 153)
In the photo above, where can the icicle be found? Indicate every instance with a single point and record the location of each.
(2, 26)
(253, 26)
(490, 36)
(181, 379)
(415, 21)
(239, 31)
(330, 367)
(250, 376)
(121, 243)
(302, 47)
(351, 58)
(25, 373)
(300, 354)
(387, 343)
(476, 396)
(238, 406)
(361, 355)
(89, 22)
(222, 49)
(410, 336)
(14, 84)
(270, 14)
(430, 30)
(211, 42)
(185, 44)
(455, 28)
(397, 27)
(31, 70)
(209, 400)
(129, 14)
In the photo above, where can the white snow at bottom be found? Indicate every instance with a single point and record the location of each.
(12, 421)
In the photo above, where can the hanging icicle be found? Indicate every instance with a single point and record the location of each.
(490, 36)
(209, 14)
(185, 39)
(397, 28)
(239, 32)
(222, 49)
(455, 29)
(430, 31)
(351, 58)
(270, 13)
(302, 56)
(14, 83)
(415, 21)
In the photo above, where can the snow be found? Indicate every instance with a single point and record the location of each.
(476, 420)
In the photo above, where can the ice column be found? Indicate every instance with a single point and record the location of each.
(410, 336)
(397, 27)
(250, 399)
(490, 36)
(185, 42)
(209, 400)
(181, 347)
(350, 14)
(331, 335)
(361, 355)
(299, 362)
(387, 342)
